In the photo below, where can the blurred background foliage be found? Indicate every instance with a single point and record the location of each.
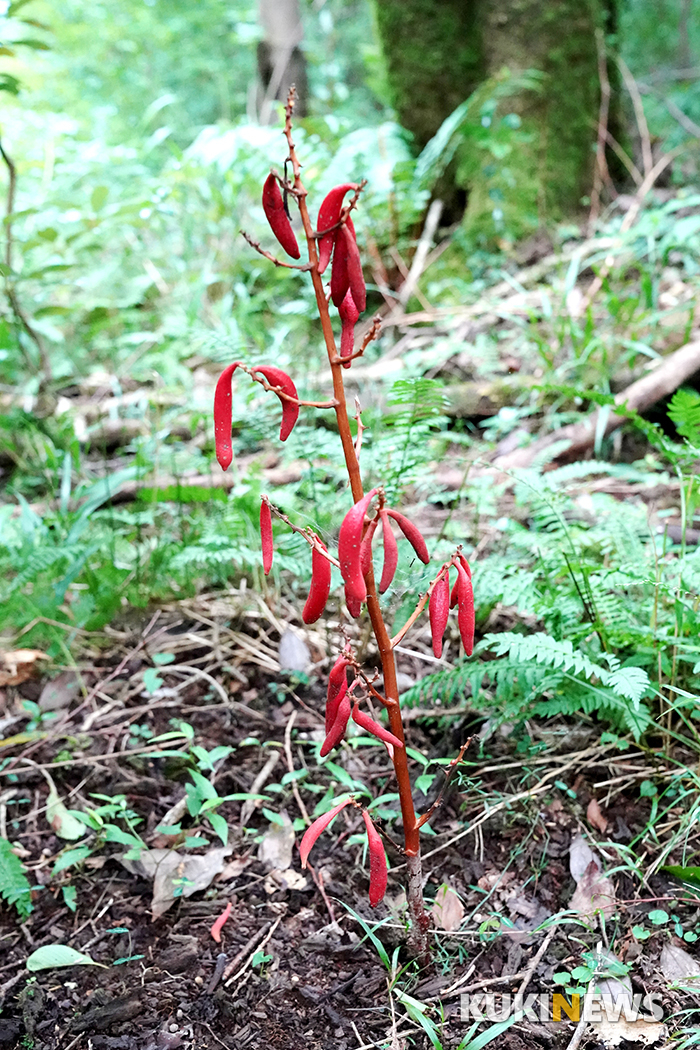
(139, 153)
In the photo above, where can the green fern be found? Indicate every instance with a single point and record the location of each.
(14, 884)
(684, 411)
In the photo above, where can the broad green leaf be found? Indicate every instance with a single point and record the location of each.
(51, 956)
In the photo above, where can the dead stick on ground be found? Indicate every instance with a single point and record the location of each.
(249, 806)
(257, 941)
(290, 766)
(661, 381)
(518, 1003)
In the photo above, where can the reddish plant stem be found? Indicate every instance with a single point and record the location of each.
(418, 935)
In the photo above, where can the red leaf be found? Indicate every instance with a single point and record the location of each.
(356, 278)
(349, 548)
(438, 610)
(290, 409)
(273, 206)
(222, 416)
(412, 534)
(266, 536)
(328, 215)
(377, 862)
(320, 586)
(315, 829)
(465, 609)
(375, 728)
(337, 731)
(391, 553)
(216, 928)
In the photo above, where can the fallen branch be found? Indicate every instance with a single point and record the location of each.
(579, 438)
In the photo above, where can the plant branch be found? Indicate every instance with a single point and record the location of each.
(10, 289)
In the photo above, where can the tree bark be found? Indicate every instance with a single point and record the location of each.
(438, 51)
(281, 61)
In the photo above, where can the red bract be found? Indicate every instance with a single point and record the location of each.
(377, 862)
(438, 610)
(354, 605)
(356, 278)
(222, 416)
(266, 536)
(290, 409)
(349, 316)
(412, 534)
(340, 282)
(315, 829)
(216, 927)
(375, 728)
(273, 206)
(328, 216)
(320, 586)
(366, 547)
(465, 609)
(349, 549)
(333, 704)
(465, 565)
(340, 724)
(391, 553)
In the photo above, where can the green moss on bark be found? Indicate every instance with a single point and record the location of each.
(433, 56)
(438, 51)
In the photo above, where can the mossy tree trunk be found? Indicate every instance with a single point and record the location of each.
(534, 166)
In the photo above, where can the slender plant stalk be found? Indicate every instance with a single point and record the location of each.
(418, 936)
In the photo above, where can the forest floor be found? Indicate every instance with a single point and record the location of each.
(293, 967)
(182, 742)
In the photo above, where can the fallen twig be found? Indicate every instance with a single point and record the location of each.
(658, 383)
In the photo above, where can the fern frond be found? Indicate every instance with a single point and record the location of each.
(14, 884)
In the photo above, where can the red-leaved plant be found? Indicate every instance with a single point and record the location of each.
(333, 241)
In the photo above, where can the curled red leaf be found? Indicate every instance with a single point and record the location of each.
(216, 927)
(349, 548)
(349, 316)
(340, 281)
(273, 206)
(320, 586)
(391, 553)
(412, 534)
(328, 216)
(356, 279)
(354, 606)
(377, 862)
(332, 706)
(290, 409)
(367, 723)
(467, 568)
(266, 536)
(340, 724)
(222, 416)
(465, 609)
(438, 611)
(315, 829)
(366, 547)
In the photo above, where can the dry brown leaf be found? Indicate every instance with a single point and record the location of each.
(595, 892)
(611, 1033)
(580, 856)
(293, 652)
(594, 816)
(60, 691)
(277, 845)
(164, 866)
(19, 665)
(677, 965)
(448, 910)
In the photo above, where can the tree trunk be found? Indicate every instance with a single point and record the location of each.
(281, 61)
(517, 177)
